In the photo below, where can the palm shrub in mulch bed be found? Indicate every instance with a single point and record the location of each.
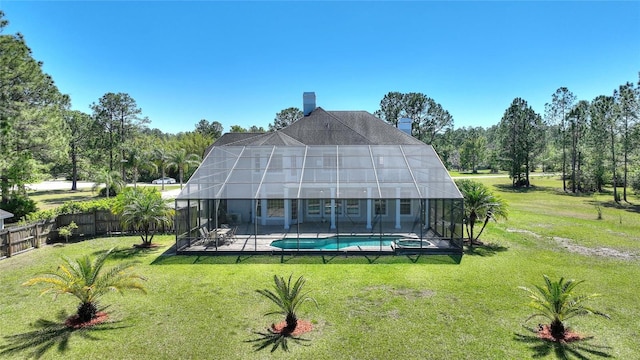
(86, 279)
(558, 302)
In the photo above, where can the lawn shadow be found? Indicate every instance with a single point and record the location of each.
(275, 340)
(60, 197)
(580, 349)
(223, 259)
(49, 334)
(532, 188)
(485, 250)
(610, 204)
(132, 252)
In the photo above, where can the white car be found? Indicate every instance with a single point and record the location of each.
(164, 180)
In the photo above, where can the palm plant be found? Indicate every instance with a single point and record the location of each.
(558, 302)
(479, 204)
(144, 211)
(139, 160)
(182, 161)
(288, 298)
(85, 279)
(111, 180)
(161, 157)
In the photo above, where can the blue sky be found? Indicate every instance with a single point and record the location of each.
(240, 63)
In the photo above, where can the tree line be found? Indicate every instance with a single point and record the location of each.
(593, 144)
(41, 137)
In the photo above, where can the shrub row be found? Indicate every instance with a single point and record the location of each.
(70, 207)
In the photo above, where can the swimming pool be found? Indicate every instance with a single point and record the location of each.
(333, 243)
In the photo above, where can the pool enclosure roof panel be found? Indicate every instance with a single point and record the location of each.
(321, 172)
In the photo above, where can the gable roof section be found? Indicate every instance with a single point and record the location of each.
(320, 172)
(341, 154)
(233, 137)
(323, 127)
(230, 139)
(5, 215)
(270, 138)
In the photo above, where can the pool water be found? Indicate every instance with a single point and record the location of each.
(332, 243)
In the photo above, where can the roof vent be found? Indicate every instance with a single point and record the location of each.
(309, 102)
(404, 124)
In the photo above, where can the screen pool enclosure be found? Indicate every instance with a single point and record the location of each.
(320, 199)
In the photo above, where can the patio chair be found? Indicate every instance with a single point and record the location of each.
(230, 237)
(204, 236)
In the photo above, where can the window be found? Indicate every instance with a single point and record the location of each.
(327, 207)
(294, 165)
(381, 207)
(353, 207)
(329, 161)
(276, 163)
(313, 207)
(275, 208)
(405, 206)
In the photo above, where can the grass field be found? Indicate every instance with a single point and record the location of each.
(436, 308)
(49, 199)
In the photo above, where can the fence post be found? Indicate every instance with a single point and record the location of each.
(37, 236)
(95, 223)
(9, 244)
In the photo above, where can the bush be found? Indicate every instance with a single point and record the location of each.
(112, 192)
(75, 207)
(634, 182)
(70, 207)
(39, 216)
(19, 205)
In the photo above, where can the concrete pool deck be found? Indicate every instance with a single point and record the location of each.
(261, 244)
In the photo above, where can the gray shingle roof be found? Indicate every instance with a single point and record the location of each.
(5, 214)
(346, 128)
(327, 152)
(233, 137)
(270, 138)
(323, 127)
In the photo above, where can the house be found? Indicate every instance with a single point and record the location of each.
(333, 181)
(4, 215)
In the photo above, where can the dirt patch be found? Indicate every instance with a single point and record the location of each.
(407, 293)
(303, 326)
(582, 250)
(75, 323)
(601, 251)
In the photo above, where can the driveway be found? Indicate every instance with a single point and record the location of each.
(59, 185)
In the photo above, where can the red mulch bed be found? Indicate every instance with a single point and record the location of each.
(569, 336)
(302, 327)
(73, 322)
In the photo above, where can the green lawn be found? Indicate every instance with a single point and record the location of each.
(207, 307)
(49, 199)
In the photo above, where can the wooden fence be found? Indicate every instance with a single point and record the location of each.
(17, 239)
